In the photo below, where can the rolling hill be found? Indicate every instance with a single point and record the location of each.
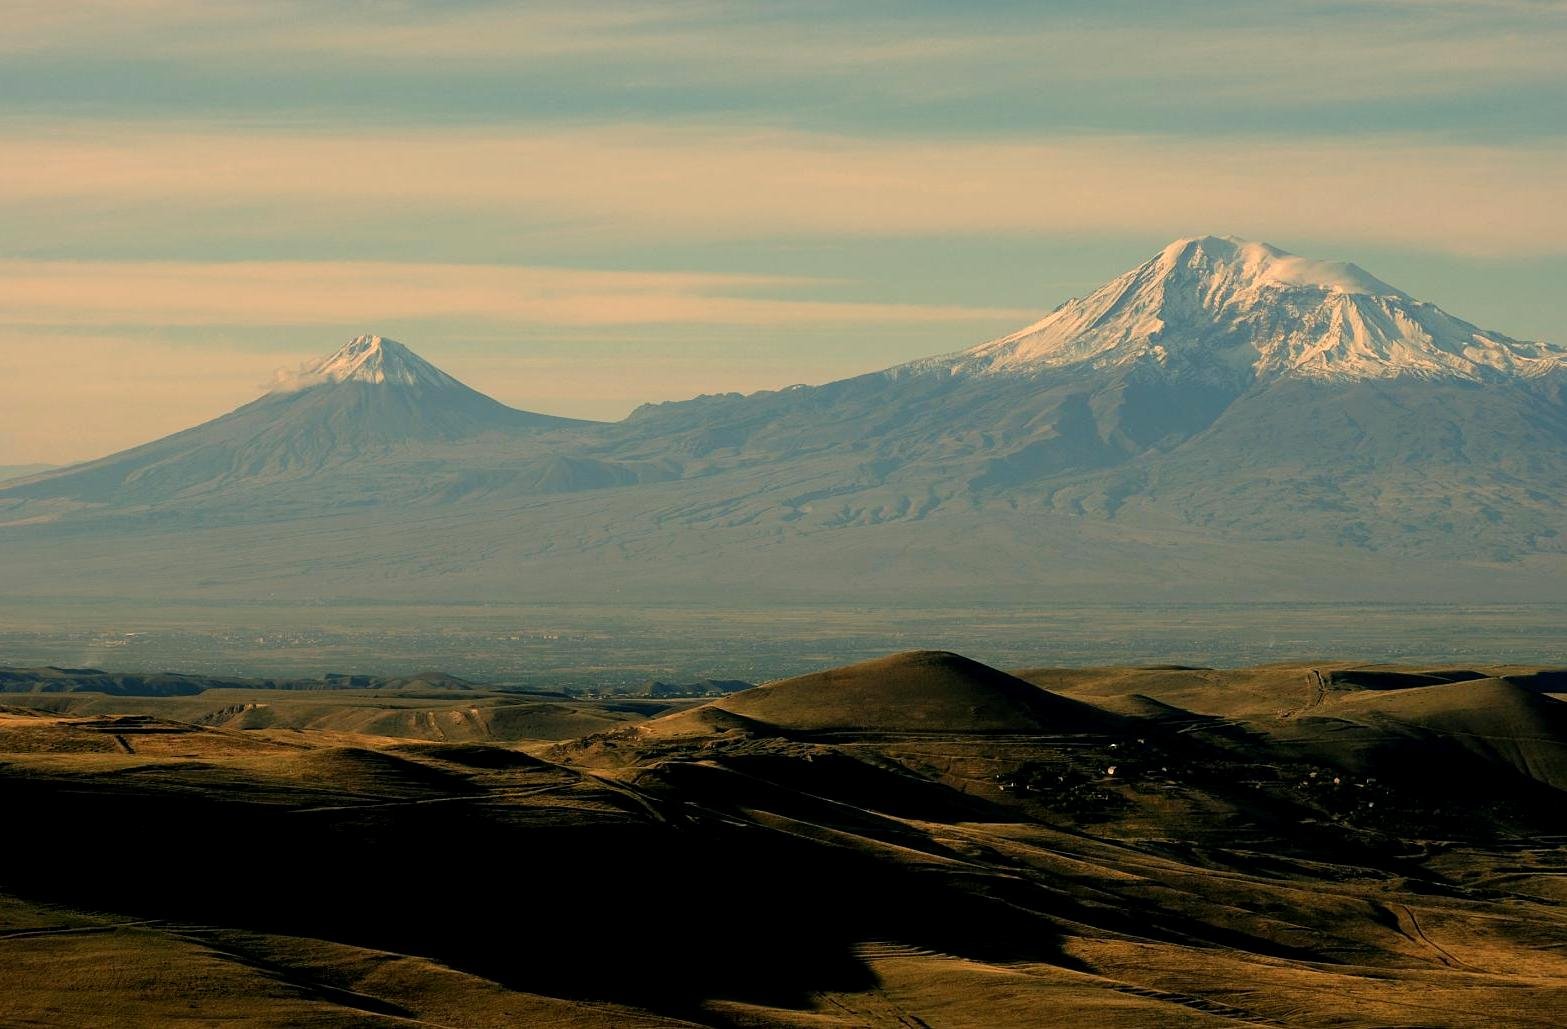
(920, 691)
(1357, 845)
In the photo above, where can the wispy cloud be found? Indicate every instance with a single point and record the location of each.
(701, 182)
(1305, 53)
(241, 293)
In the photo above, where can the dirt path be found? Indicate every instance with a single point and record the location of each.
(78, 929)
(466, 798)
(1409, 926)
(1316, 693)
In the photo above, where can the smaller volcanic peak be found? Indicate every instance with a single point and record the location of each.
(1233, 311)
(358, 406)
(374, 392)
(373, 359)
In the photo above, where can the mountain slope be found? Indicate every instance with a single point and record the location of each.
(10, 473)
(1224, 420)
(1223, 386)
(367, 401)
(1230, 310)
(1440, 468)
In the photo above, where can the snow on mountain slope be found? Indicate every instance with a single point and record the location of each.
(368, 358)
(1222, 309)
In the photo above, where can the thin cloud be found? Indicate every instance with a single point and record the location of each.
(238, 293)
(696, 182)
(1308, 53)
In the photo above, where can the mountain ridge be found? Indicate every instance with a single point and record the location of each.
(922, 481)
(1224, 308)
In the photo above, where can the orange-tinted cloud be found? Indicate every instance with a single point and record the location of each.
(240, 293)
(708, 183)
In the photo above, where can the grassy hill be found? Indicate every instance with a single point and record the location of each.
(915, 839)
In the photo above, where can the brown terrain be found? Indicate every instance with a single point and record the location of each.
(919, 840)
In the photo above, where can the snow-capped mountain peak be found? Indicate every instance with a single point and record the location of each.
(371, 359)
(1252, 263)
(1227, 309)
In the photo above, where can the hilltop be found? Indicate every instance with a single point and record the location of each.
(918, 838)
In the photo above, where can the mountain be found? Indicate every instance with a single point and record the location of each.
(370, 401)
(1225, 421)
(1221, 386)
(1230, 311)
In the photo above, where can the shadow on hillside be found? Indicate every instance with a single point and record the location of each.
(607, 907)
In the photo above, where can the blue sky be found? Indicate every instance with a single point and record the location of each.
(578, 208)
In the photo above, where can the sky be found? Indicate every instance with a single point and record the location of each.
(577, 208)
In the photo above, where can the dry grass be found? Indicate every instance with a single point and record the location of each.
(919, 840)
